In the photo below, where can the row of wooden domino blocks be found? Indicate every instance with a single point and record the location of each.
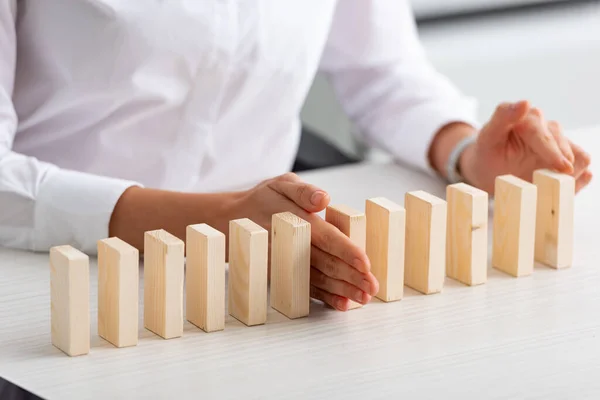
(118, 281)
(420, 244)
(433, 238)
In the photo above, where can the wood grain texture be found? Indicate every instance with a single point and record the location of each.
(163, 283)
(514, 225)
(425, 263)
(352, 223)
(554, 219)
(386, 224)
(248, 271)
(205, 277)
(290, 265)
(70, 300)
(467, 238)
(118, 288)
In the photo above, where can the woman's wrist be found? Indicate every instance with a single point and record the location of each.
(139, 210)
(444, 143)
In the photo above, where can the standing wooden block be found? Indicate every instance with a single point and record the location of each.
(248, 271)
(514, 225)
(352, 223)
(467, 238)
(386, 222)
(554, 220)
(163, 284)
(290, 265)
(425, 266)
(70, 300)
(118, 289)
(205, 277)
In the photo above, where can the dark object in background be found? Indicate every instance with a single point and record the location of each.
(315, 152)
(465, 10)
(10, 391)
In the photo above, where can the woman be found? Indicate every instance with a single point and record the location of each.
(121, 117)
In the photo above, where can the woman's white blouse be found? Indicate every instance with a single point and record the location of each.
(189, 95)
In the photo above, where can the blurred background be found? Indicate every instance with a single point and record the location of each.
(546, 51)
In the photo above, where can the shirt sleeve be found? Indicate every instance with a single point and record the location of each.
(42, 205)
(384, 81)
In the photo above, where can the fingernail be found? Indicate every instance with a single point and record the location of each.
(365, 285)
(375, 288)
(358, 296)
(514, 107)
(566, 164)
(360, 265)
(317, 198)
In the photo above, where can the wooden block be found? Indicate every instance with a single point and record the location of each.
(386, 222)
(248, 271)
(163, 283)
(514, 225)
(425, 264)
(352, 223)
(118, 290)
(467, 238)
(205, 277)
(70, 300)
(554, 220)
(290, 265)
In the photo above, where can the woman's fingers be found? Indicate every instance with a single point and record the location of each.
(582, 160)
(536, 135)
(297, 197)
(337, 287)
(583, 180)
(306, 196)
(337, 302)
(563, 143)
(335, 268)
(504, 118)
(329, 239)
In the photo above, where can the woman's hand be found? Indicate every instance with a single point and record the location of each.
(340, 270)
(518, 140)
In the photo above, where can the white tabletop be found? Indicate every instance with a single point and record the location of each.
(532, 337)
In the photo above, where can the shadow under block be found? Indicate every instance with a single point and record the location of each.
(352, 223)
(425, 264)
(163, 284)
(554, 219)
(70, 300)
(205, 277)
(514, 225)
(386, 223)
(118, 288)
(467, 238)
(290, 265)
(248, 271)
